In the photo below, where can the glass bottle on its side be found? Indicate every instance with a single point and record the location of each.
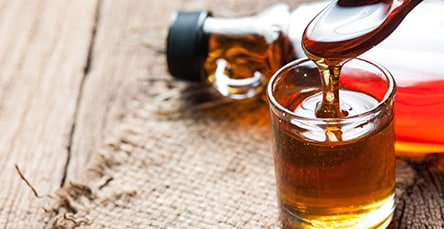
(236, 56)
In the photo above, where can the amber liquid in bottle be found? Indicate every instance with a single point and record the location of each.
(248, 53)
(240, 60)
(341, 182)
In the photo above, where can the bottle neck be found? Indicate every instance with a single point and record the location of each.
(267, 23)
(230, 26)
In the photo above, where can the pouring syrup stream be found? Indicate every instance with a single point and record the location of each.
(344, 30)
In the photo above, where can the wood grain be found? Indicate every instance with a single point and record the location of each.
(130, 37)
(70, 70)
(420, 192)
(44, 48)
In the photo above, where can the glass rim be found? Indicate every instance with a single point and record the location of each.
(390, 93)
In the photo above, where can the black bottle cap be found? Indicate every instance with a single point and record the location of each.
(187, 45)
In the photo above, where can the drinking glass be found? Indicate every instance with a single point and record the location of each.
(333, 172)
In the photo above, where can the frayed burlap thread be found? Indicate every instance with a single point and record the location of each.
(196, 168)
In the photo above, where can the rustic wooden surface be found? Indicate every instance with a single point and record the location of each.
(69, 69)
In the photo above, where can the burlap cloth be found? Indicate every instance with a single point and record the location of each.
(180, 161)
(193, 168)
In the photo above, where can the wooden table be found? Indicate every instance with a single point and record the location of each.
(69, 69)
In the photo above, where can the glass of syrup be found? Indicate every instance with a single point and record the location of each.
(333, 171)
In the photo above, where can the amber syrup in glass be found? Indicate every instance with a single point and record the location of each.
(344, 197)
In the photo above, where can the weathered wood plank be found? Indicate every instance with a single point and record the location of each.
(44, 47)
(420, 192)
(122, 53)
(54, 116)
(129, 36)
(125, 54)
(126, 47)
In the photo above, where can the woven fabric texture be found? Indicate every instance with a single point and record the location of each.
(192, 168)
(182, 158)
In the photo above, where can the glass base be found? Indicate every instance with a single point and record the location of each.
(375, 216)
